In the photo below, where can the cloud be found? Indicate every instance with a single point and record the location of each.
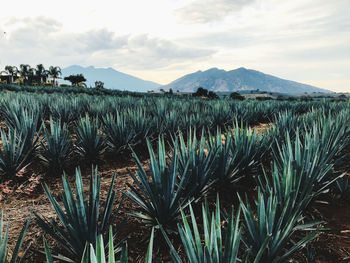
(145, 52)
(302, 40)
(44, 40)
(205, 11)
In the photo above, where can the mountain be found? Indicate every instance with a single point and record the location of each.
(112, 79)
(240, 79)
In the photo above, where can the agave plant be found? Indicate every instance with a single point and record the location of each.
(170, 123)
(284, 122)
(57, 147)
(90, 142)
(248, 149)
(161, 195)
(29, 125)
(118, 134)
(98, 255)
(141, 124)
(63, 111)
(79, 222)
(304, 167)
(220, 244)
(220, 115)
(343, 187)
(226, 171)
(198, 162)
(13, 157)
(269, 234)
(17, 256)
(334, 133)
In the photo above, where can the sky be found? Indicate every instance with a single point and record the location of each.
(161, 40)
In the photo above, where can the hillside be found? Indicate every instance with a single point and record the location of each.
(240, 79)
(112, 79)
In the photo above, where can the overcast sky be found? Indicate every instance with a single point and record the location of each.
(160, 40)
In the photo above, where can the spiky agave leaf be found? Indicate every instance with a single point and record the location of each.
(159, 197)
(305, 167)
(118, 133)
(13, 157)
(220, 244)
(141, 124)
(97, 254)
(4, 238)
(343, 187)
(57, 147)
(198, 160)
(28, 123)
(90, 141)
(226, 171)
(268, 235)
(64, 111)
(79, 222)
(284, 122)
(248, 149)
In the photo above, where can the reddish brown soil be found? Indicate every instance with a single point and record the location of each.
(334, 244)
(330, 246)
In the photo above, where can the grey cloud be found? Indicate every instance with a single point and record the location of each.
(101, 39)
(144, 52)
(205, 11)
(35, 41)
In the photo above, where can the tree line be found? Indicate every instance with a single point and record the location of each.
(39, 75)
(28, 75)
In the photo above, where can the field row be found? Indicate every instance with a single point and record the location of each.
(300, 158)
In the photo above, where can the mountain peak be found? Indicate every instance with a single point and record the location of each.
(112, 78)
(212, 69)
(240, 79)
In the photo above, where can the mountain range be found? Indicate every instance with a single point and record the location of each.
(111, 78)
(240, 79)
(213, 79)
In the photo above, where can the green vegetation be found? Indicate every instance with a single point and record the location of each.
(30, 76)
(17, 254)
(79, 222)
(198, 149)
(220, 244)
(76, 80)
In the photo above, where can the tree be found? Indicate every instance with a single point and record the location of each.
(201, 92)
(75, 79)
(25, 71)
(236, 96)
(55, 73)
(99, 84)
(31, 76)
(212, 95)
(12, 71)
(41, 74)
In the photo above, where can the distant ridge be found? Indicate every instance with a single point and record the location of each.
(240, 79)
(112, 78)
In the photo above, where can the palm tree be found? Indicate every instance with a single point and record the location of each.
(25, 71)
(55, 73)
(32, 76)
(4, 75)
(12, 71)
(41, 73)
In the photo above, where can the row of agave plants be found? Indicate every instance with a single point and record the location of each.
(61, 131)
(299, 159)
(27, 139)
(217, 112)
